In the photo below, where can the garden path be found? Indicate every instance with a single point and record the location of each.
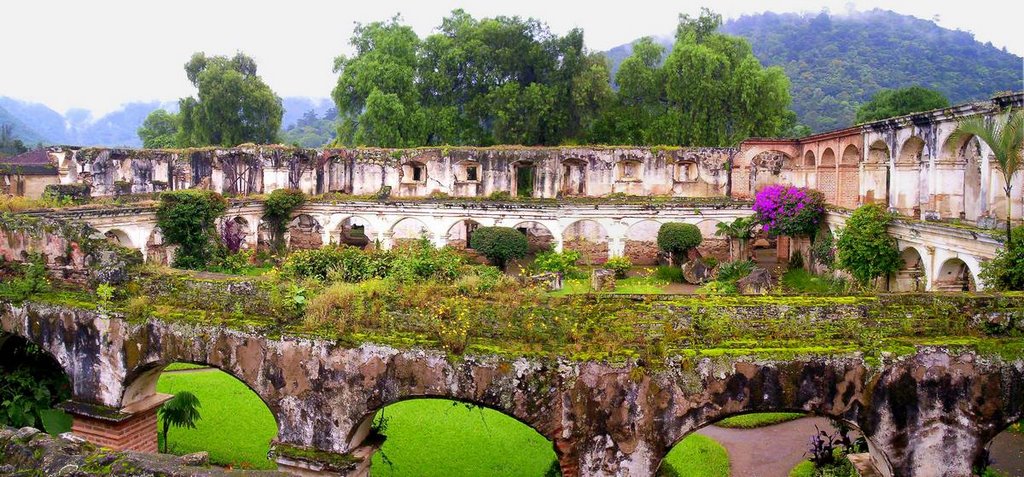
(770, 451)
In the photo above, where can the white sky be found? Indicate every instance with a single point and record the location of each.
(99, 54)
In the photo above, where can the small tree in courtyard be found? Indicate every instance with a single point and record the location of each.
(187, 218)
(499, 244)
(180, 411)
(277, 211)
(865, 248)
(1006, 271)
(676, 238)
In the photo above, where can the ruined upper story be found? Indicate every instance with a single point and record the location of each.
(910, 163)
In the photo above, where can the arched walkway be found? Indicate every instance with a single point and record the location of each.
(119, 237)
(305, 232)
(954, 275)
(642, 242)
(539, 237)
(712, 245)
(461, 232)
(907, 176)
(235, 234)
(34, 383)
(912, 275)
(960, 191)
(875, 177)
(589, 238)
(408, 230)
(355, 231)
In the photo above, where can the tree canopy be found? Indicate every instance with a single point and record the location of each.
(159, 130)
(234, 105)
(710, 91)
(889, 103)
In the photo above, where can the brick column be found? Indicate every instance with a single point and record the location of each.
(131, 428)
(782, 248)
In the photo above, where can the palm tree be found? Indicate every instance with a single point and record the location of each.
(1005, 140)
(742, 229)
(180, 411)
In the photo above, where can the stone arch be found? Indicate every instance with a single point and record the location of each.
(911, 151)
(460, 233)
(235, 232)
(574, 178)
(407, 230)
(641, 245)
(965, 156)
(851, 156)
(364, 422)
(118, 237)
(878, 153)
(875, 178)
(955, 275)
(305, 232)
(828, 158)
(10, 340)
(768, 168)
(539, 237)
(588, 237)
(809, 159)
(912, 275)
(354, 230)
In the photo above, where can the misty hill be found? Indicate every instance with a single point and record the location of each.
(35, 122)
(836, 62)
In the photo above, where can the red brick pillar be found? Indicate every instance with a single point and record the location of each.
(782, 248)
(131, 428)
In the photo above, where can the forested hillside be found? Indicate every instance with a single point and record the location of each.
(836, 62)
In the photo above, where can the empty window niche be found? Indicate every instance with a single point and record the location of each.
(472, 172)
(629, 170)
(687, 172)
(415, 173)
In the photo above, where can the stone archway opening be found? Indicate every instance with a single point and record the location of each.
(589, 238)
(305, 232)
(118, 237)
(911, 276)
(574, 178)
(907, 177)
(355, 231)
(1003, 452)
(408, 230)
(538, 237)
(234, 233)
(473, 439)
(642, 243)
(964, 155)
(236, 425)
(955, 275)
(32, 384)
(461, 232)
(759, 443)
(876, 177)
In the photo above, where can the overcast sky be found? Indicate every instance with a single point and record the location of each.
(99, 54)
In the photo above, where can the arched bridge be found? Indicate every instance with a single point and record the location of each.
(924, 414)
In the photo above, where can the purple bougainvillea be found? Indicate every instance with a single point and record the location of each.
(788, 210)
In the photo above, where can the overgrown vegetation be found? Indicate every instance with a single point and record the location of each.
(31, 384)
(499, 244)
(1006, 270)
(889, 103)
(563, 262)
(277, 211)
(865, 249)
(187, 218)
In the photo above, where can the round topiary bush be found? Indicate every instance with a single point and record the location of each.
(499, 244)
(677, 238)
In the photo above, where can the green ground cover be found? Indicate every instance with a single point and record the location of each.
(236, 427)
(696, 456)
(798, 280)
(627, 286)
(758, 419)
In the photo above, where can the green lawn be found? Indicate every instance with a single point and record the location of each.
(696, 456)
(803, 469)
(236, 427)
(435, 437)
(798, 280)
(758, 419)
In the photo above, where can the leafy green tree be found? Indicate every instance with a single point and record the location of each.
(677, 238)
(865, 248)
(234, 105)
(180, 411)
(277, 211)
(159, 130)
(188, 218)
(499, 244)
(889, 103)
(1005, 138)
(1006, 270)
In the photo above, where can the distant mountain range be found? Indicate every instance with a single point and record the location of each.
(834, 64)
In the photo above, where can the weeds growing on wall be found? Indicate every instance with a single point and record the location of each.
(187, 218)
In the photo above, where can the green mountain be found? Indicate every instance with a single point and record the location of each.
(836, 62)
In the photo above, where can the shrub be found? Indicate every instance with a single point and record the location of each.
(318, 263)
(499, 244)
(233, 263)
(188, 218)
(423, 261)
(797, 260)
(677, 238)
(277, 211)
(558, 262)
(139, 308)
(620, 265)
(66, 194)
(1006, 270)
(669, 274)
(787, 210)
(865, 248)
(733, 271)
(33, 279)
(823, 249)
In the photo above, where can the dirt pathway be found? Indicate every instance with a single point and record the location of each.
(768, 451)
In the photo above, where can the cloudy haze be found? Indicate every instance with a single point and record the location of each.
(101, 54)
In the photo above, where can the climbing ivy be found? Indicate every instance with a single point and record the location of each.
(188, 218)
(277, 211)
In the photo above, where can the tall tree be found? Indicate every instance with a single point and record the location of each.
(234, 105)
(889, 103)
(1005, 138)
(159, 130)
